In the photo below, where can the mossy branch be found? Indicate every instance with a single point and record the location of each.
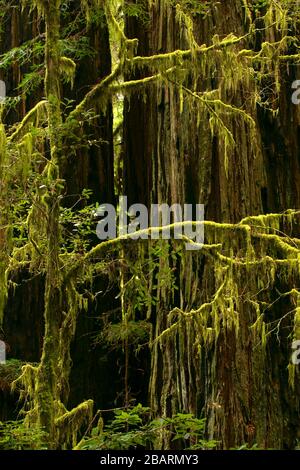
(35, 117)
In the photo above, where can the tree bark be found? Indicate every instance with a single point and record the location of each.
(243, 392)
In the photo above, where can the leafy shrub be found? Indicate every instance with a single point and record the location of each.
(14, 435)
(132, 428)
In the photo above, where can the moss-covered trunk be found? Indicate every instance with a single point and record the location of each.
(84, 166)
(242, 389)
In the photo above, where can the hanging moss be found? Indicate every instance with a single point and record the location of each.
(226, 290)
(45, 387)
(9, 372)
(36, 117)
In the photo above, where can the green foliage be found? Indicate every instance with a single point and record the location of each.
(9, 372)
(114, 334)
(14, 435)
(32, 80)
(133, 429)
(149, 272)
(77, 48)
(188, 429)
(78, 225)
(259, 5)
(29, 56)
(137, 10)
(27, 53)
(246, 447)
(5, 6)
(193, 7)
(56, 240)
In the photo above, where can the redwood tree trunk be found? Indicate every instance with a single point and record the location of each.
(243, 392)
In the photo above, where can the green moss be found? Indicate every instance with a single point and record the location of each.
(35, 117)
(9, 372)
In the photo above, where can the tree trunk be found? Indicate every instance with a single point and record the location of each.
(241, 389)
